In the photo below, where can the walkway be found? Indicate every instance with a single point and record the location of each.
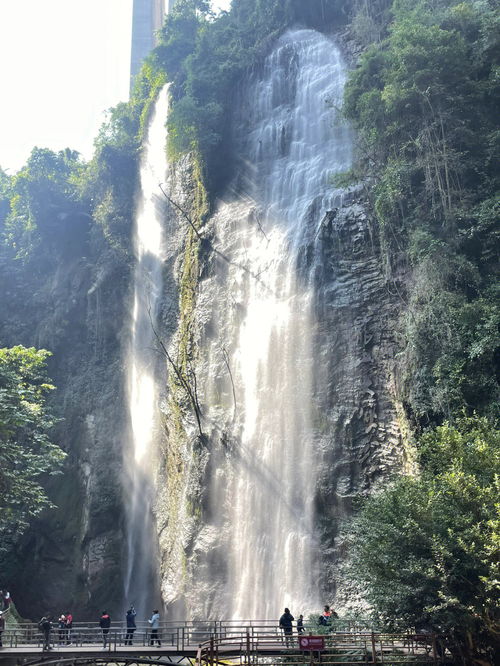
(212, 643)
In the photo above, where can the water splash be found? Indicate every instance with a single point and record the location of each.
(141, 585)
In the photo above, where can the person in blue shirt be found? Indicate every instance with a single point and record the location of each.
(155, 627)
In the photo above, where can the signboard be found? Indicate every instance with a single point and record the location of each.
(312, 642)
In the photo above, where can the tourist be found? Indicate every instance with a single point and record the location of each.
(286, 624)
(45, 626)
(300, 624)
(61, 623)
(69, 627)
(155, 626)
(2, 627)
(326, 618)
(105, 623)
(131, 626)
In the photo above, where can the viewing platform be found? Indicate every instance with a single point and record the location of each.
(211, 643)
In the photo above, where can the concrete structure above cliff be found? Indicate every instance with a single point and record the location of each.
(148, 16)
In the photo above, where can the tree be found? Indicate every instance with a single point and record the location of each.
(27, 455)
(44, 213)
(427, 548)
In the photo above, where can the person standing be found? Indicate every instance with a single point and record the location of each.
(131, 626)
(45, 626)
(69, 627)
(61, 623)
(286, 624)
(326, 618)
(2, 627)
(300, 624)
(155, 627)
(105, 624)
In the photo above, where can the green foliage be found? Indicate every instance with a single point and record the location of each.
(42, 206)
(427, 549)
(27, 454)
(423, 99)
(451, 334)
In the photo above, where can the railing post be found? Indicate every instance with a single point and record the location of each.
(434, 648)
(374, 650)
(183, 638)
(248, 646)
(211, 658)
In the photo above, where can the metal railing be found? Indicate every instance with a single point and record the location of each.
(177, 634)
(340, 648)
(247, 640)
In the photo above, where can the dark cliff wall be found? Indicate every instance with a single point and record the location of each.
(362, 426)
(75, 306)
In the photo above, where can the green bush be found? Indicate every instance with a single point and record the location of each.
(425, 550)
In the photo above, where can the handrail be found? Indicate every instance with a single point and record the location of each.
(211, 646)
(373, 647)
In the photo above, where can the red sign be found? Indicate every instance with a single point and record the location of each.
(312, 642)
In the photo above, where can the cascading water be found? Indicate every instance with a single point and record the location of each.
(291, 143)
(141, 585)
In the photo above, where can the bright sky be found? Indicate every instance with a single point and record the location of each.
(62, 64)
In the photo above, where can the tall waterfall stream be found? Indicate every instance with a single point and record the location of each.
(141, 586)
(257, 550)
(290, 142)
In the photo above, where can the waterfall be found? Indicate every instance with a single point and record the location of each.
(141, 585)
(290, 143)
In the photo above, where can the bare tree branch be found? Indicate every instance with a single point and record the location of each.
(183, 381)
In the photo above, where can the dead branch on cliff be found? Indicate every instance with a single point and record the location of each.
(204, 239)
(190, 391)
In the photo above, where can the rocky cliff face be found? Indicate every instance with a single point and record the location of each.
(362, 425)
(75, 306)
(288, 341)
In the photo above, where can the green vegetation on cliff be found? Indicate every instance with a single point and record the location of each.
(56, 201)
(27, 453)
(111, 178)
(424, 99)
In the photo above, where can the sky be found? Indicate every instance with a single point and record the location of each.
(62, 64)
